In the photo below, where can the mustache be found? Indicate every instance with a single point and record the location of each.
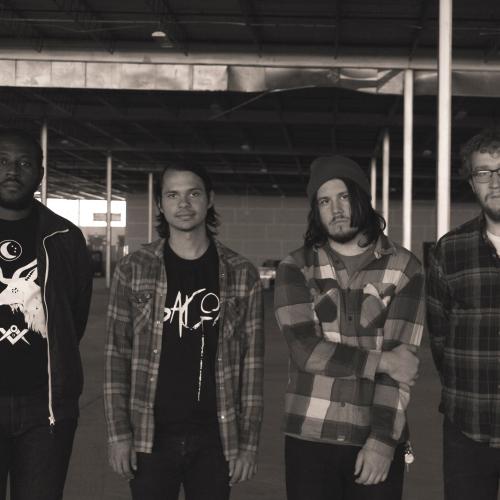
(339, 217)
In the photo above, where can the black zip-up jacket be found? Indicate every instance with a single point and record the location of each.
(65, 273)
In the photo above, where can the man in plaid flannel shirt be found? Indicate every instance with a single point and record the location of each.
(184, 362)
(463, 318)
(350, 306)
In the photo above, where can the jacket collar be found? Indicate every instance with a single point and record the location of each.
(48, 221)
(383, 246)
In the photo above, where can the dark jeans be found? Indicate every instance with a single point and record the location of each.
(471, 470)
(33, 456)
(193, 458)
(323, 471)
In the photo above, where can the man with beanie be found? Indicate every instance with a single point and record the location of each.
(350, 305)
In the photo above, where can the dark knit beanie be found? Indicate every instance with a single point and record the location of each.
(326, 168)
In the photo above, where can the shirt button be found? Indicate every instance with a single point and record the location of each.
(152, 379)
(219, 358)
(222, 417)
(155, 351)
(158, 323)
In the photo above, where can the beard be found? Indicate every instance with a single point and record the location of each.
(343, 235)
(493, 214)
(20, 201)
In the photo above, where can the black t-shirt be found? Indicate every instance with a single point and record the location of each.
(185, 393)
(23, 334)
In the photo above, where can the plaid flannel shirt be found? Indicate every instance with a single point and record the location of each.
(463, 319)
(336, 335)
(133, 349)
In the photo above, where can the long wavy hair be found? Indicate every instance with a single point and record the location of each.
(212, 218)
(363, 216)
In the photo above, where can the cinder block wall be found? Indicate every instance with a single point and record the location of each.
(263, 228)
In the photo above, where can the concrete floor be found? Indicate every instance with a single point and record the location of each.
(90, 477)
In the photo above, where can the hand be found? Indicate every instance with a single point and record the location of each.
(371, 467)
(122, 458)
(242, 468)
(401, 364)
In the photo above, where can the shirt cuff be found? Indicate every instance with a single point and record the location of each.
(379, 447)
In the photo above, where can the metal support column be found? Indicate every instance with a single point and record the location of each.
(444, 117)
(385, 178)
(373, 181)
(109, 173)
(408, 158)
(150, 207)
(43, 144)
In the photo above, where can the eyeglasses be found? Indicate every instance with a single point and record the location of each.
(484, 175)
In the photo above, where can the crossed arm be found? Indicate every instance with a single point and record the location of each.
(393, 370)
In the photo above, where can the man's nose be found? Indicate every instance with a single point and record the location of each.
(184, 201)
(10, 166)
(336, 206)
(495, 181)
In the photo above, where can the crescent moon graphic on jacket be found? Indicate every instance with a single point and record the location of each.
(10, 250)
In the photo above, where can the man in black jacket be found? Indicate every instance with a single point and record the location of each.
(45, 288)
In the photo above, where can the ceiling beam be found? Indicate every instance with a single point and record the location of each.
(32, 110)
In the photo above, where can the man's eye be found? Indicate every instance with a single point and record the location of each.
(322, 202)
(195, 194)
(25, 164)
(482, 173)
(170, 195)
(345, 197)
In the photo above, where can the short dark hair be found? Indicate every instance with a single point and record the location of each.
(23, 135)
(212, 219)
(363, 216)
(486, 141)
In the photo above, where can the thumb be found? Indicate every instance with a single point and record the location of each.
(133, 459)
(231, 466)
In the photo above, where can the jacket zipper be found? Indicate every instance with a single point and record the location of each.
(52, 420)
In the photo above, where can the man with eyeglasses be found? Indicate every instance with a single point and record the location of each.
(463, 317)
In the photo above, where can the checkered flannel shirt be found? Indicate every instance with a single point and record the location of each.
(336, 335)
(463, 318)
(133, 349)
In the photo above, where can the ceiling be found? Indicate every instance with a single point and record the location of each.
(251, 143)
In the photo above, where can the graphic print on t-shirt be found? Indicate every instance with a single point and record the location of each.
(191, 313)
(202, 305)
(21, 293)
(23, 329)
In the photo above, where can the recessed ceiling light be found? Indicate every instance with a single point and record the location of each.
(245, 146)
(275, 186)
(159, 34)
